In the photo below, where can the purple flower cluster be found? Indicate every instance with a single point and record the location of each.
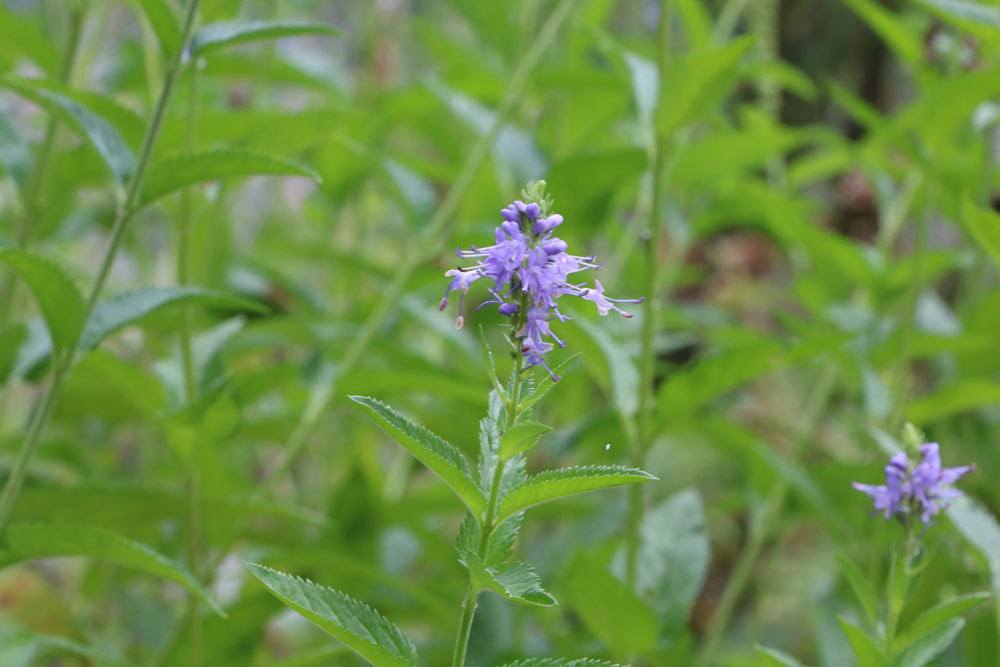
(529, 269)
(925, 487)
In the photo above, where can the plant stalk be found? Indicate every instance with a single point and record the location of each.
(12, 487)
(651, 314)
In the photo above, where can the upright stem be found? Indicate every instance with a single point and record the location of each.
(654, 278)
(194, 529)
(62, 363)
(33, 186)
(472, 594)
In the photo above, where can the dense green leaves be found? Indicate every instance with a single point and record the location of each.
(186, 169)
(438, 455)
(97, 131)
(31, 540)
(216, 36)
(358, 626)
(560, 483)
(58, 298)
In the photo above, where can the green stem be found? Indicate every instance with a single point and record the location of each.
(429, 244)
(472, 595)
(33, 186)
(12, 487)
(763, 525)
(194, 546)
(651, 316)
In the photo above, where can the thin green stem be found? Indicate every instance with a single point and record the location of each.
(471, 596)
(429, 244)
(36, 180)
(763, 525)
(651, 315)
(195, 528)
(62, 363)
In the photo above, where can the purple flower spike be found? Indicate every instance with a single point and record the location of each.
(925, 487)
(530, 270)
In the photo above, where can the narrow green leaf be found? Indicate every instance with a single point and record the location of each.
(961, 396)
(58, 298)
(520, 438)
(983, 225)
(217, 36)
(696, 83)
(866, 650)
(563, 482)
(861, 587)
(982, 530)
(29, 540)
(129, 308)
(181, 171)
(439, 455)
(517, 581)
(361, 628)
(777, 658)
(28, 38)
(939, 614)
(93, 128)
(931, 645)
(905, 42)
(164, 23)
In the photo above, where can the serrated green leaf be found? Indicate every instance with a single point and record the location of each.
(31, 540)
(563, 482)
(777, 658)
(437, 454)
(517, 581)
(217, 36)
(58, 298)
(861, 586)
(931, 645)
(186, 169)
(93, 128)
(561, 662)
(695, 83)
(361, 628)
(866, 650)
(938, 614)
(129, 308)
(520, 438)
(164, 23)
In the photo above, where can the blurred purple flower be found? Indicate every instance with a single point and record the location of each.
(925, 487)
(530, 269)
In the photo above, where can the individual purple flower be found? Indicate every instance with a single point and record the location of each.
(925, 487)
(530, 270)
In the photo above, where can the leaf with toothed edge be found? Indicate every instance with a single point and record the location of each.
(438, 454)
(561, 662)
(517, 581)
(562, 482)
(351, 622)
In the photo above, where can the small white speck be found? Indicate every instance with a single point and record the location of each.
(607, 447)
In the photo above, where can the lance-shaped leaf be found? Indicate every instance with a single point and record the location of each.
(520, 438)
(517, 581)
(439, 455)
(181, 171)
(164, 23)
(562, 662)
(125, 309)
(29, 540)
(562, 482)
(776, 658)
(940, 614)
(931, 645)
(58, 298)
(92, 127)
(866, 650)
(353, 623)
(217, 36)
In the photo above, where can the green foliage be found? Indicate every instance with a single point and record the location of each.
(361, 628)
(217, 36)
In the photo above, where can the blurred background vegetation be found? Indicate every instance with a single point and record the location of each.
(828, 187)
